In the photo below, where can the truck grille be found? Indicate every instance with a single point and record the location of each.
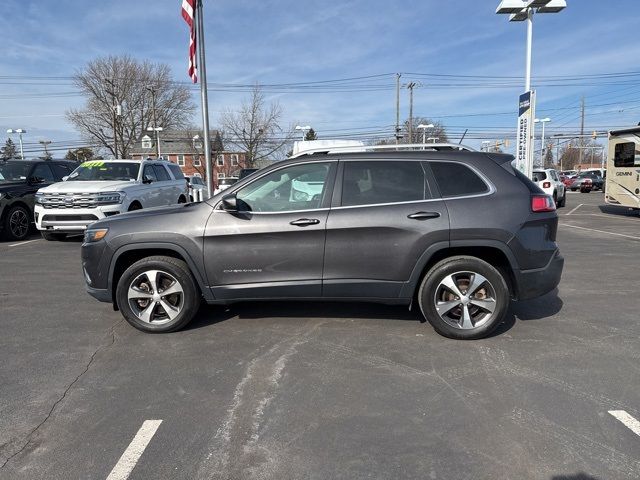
(69, 218)
(68, 200)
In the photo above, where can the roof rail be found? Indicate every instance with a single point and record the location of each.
(401, 146)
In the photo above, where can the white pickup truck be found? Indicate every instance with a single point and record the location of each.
(102, 188)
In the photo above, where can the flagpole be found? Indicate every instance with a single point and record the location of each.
(202, 73)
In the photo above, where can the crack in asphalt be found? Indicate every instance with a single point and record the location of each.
(28, 438)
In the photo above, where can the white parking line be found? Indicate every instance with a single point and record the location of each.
(134, 451)
(628, 421)
(575, 209)
(24, 243)
(600, 231)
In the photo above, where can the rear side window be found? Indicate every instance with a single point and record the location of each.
(625, 155)
(149, 172)
(539, 176)
(456, 179)
(175, 169)
(368, 183)
(161, 173)
(43, 172)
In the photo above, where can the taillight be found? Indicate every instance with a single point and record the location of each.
(542, 203)
(546, 185)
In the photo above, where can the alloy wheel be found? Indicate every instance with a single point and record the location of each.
(19, 223)
(155, 297)
(465, 300)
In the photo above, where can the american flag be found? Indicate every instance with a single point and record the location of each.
(189, 13)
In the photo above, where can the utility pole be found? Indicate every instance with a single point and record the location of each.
(152, 89)
(398, 108)
(44, 144)
(410, 86)
(114, 117)
(581, 130)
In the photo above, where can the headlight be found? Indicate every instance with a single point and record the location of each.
(107, 198)
(39, 197)
(95, 234)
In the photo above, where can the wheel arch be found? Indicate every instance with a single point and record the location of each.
(127, 255)
(493, 252)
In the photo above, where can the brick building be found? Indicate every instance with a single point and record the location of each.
(185, 148)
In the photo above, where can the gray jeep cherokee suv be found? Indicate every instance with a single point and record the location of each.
(458, 233)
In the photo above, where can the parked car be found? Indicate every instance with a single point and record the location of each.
(103, 188)
(456, 233)
(19, 182)
(197, 189)
(224, 183)
(550, 183)
(567, 180)
(587, 181)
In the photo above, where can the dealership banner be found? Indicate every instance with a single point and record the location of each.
(524, 152)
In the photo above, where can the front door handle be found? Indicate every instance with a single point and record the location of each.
(423, 215)
(304, 222)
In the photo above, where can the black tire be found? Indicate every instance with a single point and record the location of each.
(17, 223)
(182, 199)
(574, 189)
(563, 201)
(168, 267)
(54, 236)
(134, 206)
(459, 268)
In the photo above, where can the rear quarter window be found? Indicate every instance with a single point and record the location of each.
(457, 180)
(175, 170)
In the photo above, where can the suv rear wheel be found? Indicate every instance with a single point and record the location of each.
(464, 297)
(158, 294)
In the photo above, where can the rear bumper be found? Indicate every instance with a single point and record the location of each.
(535, 283)
(104, 295)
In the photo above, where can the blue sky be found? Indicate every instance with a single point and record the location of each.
(285, 41)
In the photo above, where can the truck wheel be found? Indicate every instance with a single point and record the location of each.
(158, 294)
(134, 206)
(17, 223)
(53, 236)
(464, 297)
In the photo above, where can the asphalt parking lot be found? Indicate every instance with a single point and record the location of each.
(323, 391)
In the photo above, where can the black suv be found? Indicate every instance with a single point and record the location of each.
(19, 182)
(458, 233)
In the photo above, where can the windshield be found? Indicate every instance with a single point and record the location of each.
(14, 172)
(99, 170)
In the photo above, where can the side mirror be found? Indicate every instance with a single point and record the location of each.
(230, 203)
(147, 179)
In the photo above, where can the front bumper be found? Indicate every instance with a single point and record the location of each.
(72, 220)
(537, 282)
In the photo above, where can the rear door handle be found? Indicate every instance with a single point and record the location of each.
(423, 215)
(304, 222)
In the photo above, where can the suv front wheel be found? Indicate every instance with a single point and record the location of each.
(464, 297)
(158, 294)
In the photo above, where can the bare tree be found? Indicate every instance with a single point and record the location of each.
(255, 129)
(121, 94)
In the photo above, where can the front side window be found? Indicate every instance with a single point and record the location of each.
(456, 179)
(161, 173)
(370, 183)
(149, 174)
(99, 170)
(298, 187)
(14, 171)
(43, 172)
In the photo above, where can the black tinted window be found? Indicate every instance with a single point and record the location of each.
(367, 183)
(161, 173)
(625, 155)
(149, 172)
(539, 176)
(175, 169)
(43, 172)
(455, 179)
(61, 170)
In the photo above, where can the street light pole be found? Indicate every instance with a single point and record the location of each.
(19, 131)
(424, 127)
(527, 80)
(542, 121)
(304, 129)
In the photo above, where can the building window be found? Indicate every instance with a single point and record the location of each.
(220, 160)
(196, 161)
(234, 160)
(181, 160)
(167, 157)
(220, 175)
(146, 141)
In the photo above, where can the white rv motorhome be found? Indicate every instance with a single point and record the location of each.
(623, 168)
